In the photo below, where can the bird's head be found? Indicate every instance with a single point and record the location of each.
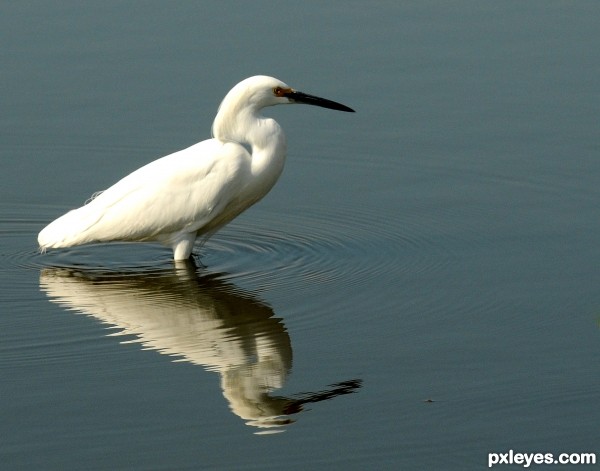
(238, 111)
(261, 91)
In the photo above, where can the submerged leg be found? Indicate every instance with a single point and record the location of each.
(182, 246)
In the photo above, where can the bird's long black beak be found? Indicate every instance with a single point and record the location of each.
(300, 97)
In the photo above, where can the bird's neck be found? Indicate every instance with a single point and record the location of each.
(263, 135)
(269, 150)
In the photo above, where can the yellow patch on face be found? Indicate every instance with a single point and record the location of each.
(280, 91)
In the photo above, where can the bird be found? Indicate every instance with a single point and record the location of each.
(190, 194)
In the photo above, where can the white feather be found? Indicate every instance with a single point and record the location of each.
(193, 192)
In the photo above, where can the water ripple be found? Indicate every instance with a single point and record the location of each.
(312, 245)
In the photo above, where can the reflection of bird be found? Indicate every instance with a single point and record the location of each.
(193, 192)
(198, 319)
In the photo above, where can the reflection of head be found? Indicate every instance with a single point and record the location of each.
(198, 319)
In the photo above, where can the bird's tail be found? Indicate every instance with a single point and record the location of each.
(68, 230)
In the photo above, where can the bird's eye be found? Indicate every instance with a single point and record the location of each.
(278, 91)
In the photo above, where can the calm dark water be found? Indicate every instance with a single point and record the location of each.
(420, 289)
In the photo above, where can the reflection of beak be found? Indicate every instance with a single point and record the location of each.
(299, 97)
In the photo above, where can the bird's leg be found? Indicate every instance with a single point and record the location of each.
(182, 245)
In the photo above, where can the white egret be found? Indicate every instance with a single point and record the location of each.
(192, 193)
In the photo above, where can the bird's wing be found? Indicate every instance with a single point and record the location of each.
(180, 192)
